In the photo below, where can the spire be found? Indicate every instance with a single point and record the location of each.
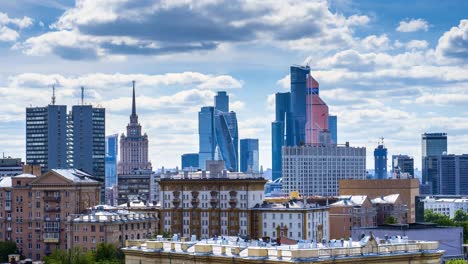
(53, 94)
(133, 102)
(82, 95)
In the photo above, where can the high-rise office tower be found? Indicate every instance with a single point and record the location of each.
(189, 161)
(380, 161)
(316, 169)
(447, 174)
(222, 102)
(316, 114)
(402, 166)
(432, 144)
(299, 75)
(207, 138)
(279, 132)
(112, 149)
(88, 133)
(133, 146)
(333, 127)
(46, 136)
(249, 155)
(218, 134)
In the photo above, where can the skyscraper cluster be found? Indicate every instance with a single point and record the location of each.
(56, 139)
(301, 117)
(218, 134)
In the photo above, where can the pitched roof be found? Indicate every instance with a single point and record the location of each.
(350, 200)
(5, 182)
(389, 199)
(75, 175)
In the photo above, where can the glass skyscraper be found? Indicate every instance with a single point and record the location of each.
(218, 134)
(279, 131)
(298, 104)
(249, 158)
(190, 161)
(112, 148)
(380, 162)
(46, 136)
(432, 144)
(447, 174)
(333, 127)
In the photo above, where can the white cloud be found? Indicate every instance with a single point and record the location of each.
(7, 34)
(413, 25)
(454, 43)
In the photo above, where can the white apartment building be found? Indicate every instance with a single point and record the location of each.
(446, 206)
(293, 219)
(316, 169)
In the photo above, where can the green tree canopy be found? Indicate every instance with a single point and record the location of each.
(7, 248)
(104, 254)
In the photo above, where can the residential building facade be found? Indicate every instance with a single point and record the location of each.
(294, 220)
(34, 209)
(447, 205)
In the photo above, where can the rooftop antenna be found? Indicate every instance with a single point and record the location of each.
(381, 140)
(53, 94)
(82, 95)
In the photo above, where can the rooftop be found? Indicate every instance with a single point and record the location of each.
(350, 200)
(304, 251)
(75, 175)
(108, 216)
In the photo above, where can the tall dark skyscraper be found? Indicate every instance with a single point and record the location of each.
(249, 155)
(298, 104)
(279, 132)
(432, 144)
(447, 174)
(380, 162)
(89, 140)
(46, 136)
(218, 134)
(402, 165)
(112, 149)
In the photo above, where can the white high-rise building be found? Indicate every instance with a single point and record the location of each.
(316, 169)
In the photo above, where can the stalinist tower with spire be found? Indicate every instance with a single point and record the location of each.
(134, 146)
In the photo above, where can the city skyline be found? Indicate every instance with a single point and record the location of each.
(386, 70)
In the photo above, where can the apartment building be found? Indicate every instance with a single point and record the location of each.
(34, 209)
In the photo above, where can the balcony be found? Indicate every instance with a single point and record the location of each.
(53, 237)
(7, 208)
(9, 229)
(50, 209)
(52, 198)
(8, 218)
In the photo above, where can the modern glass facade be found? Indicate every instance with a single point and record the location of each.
(447, 174)
(402, 164)
(432, 144)
(298, 104)
(222, 102)
(279, 131)
(46, 137)
(218, 134)
(112, 147)
(189, 161)
(249, 155)
(380, 162)
(333, 127)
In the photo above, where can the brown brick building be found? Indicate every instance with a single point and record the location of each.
(407, 188)
(34, 209)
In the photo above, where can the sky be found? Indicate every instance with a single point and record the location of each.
(392, 69)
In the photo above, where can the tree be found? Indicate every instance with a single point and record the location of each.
(456, 261)
(7, 248)
(105, 254)
(460, 216)
(390, 220)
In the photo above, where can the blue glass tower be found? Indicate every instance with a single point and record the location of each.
(333, 127)
(222, 102)
(249, 155)
(279, 131)
(380, 162)
(207, 139)
(298, 105)
(112, 146)
(189, 161)
(218, 134)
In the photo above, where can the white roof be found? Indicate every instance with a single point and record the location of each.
(25, 175)
(5, 182)
(389, 199)
(74, 175)
(350, 200)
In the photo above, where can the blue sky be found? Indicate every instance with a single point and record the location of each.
(392, 69)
